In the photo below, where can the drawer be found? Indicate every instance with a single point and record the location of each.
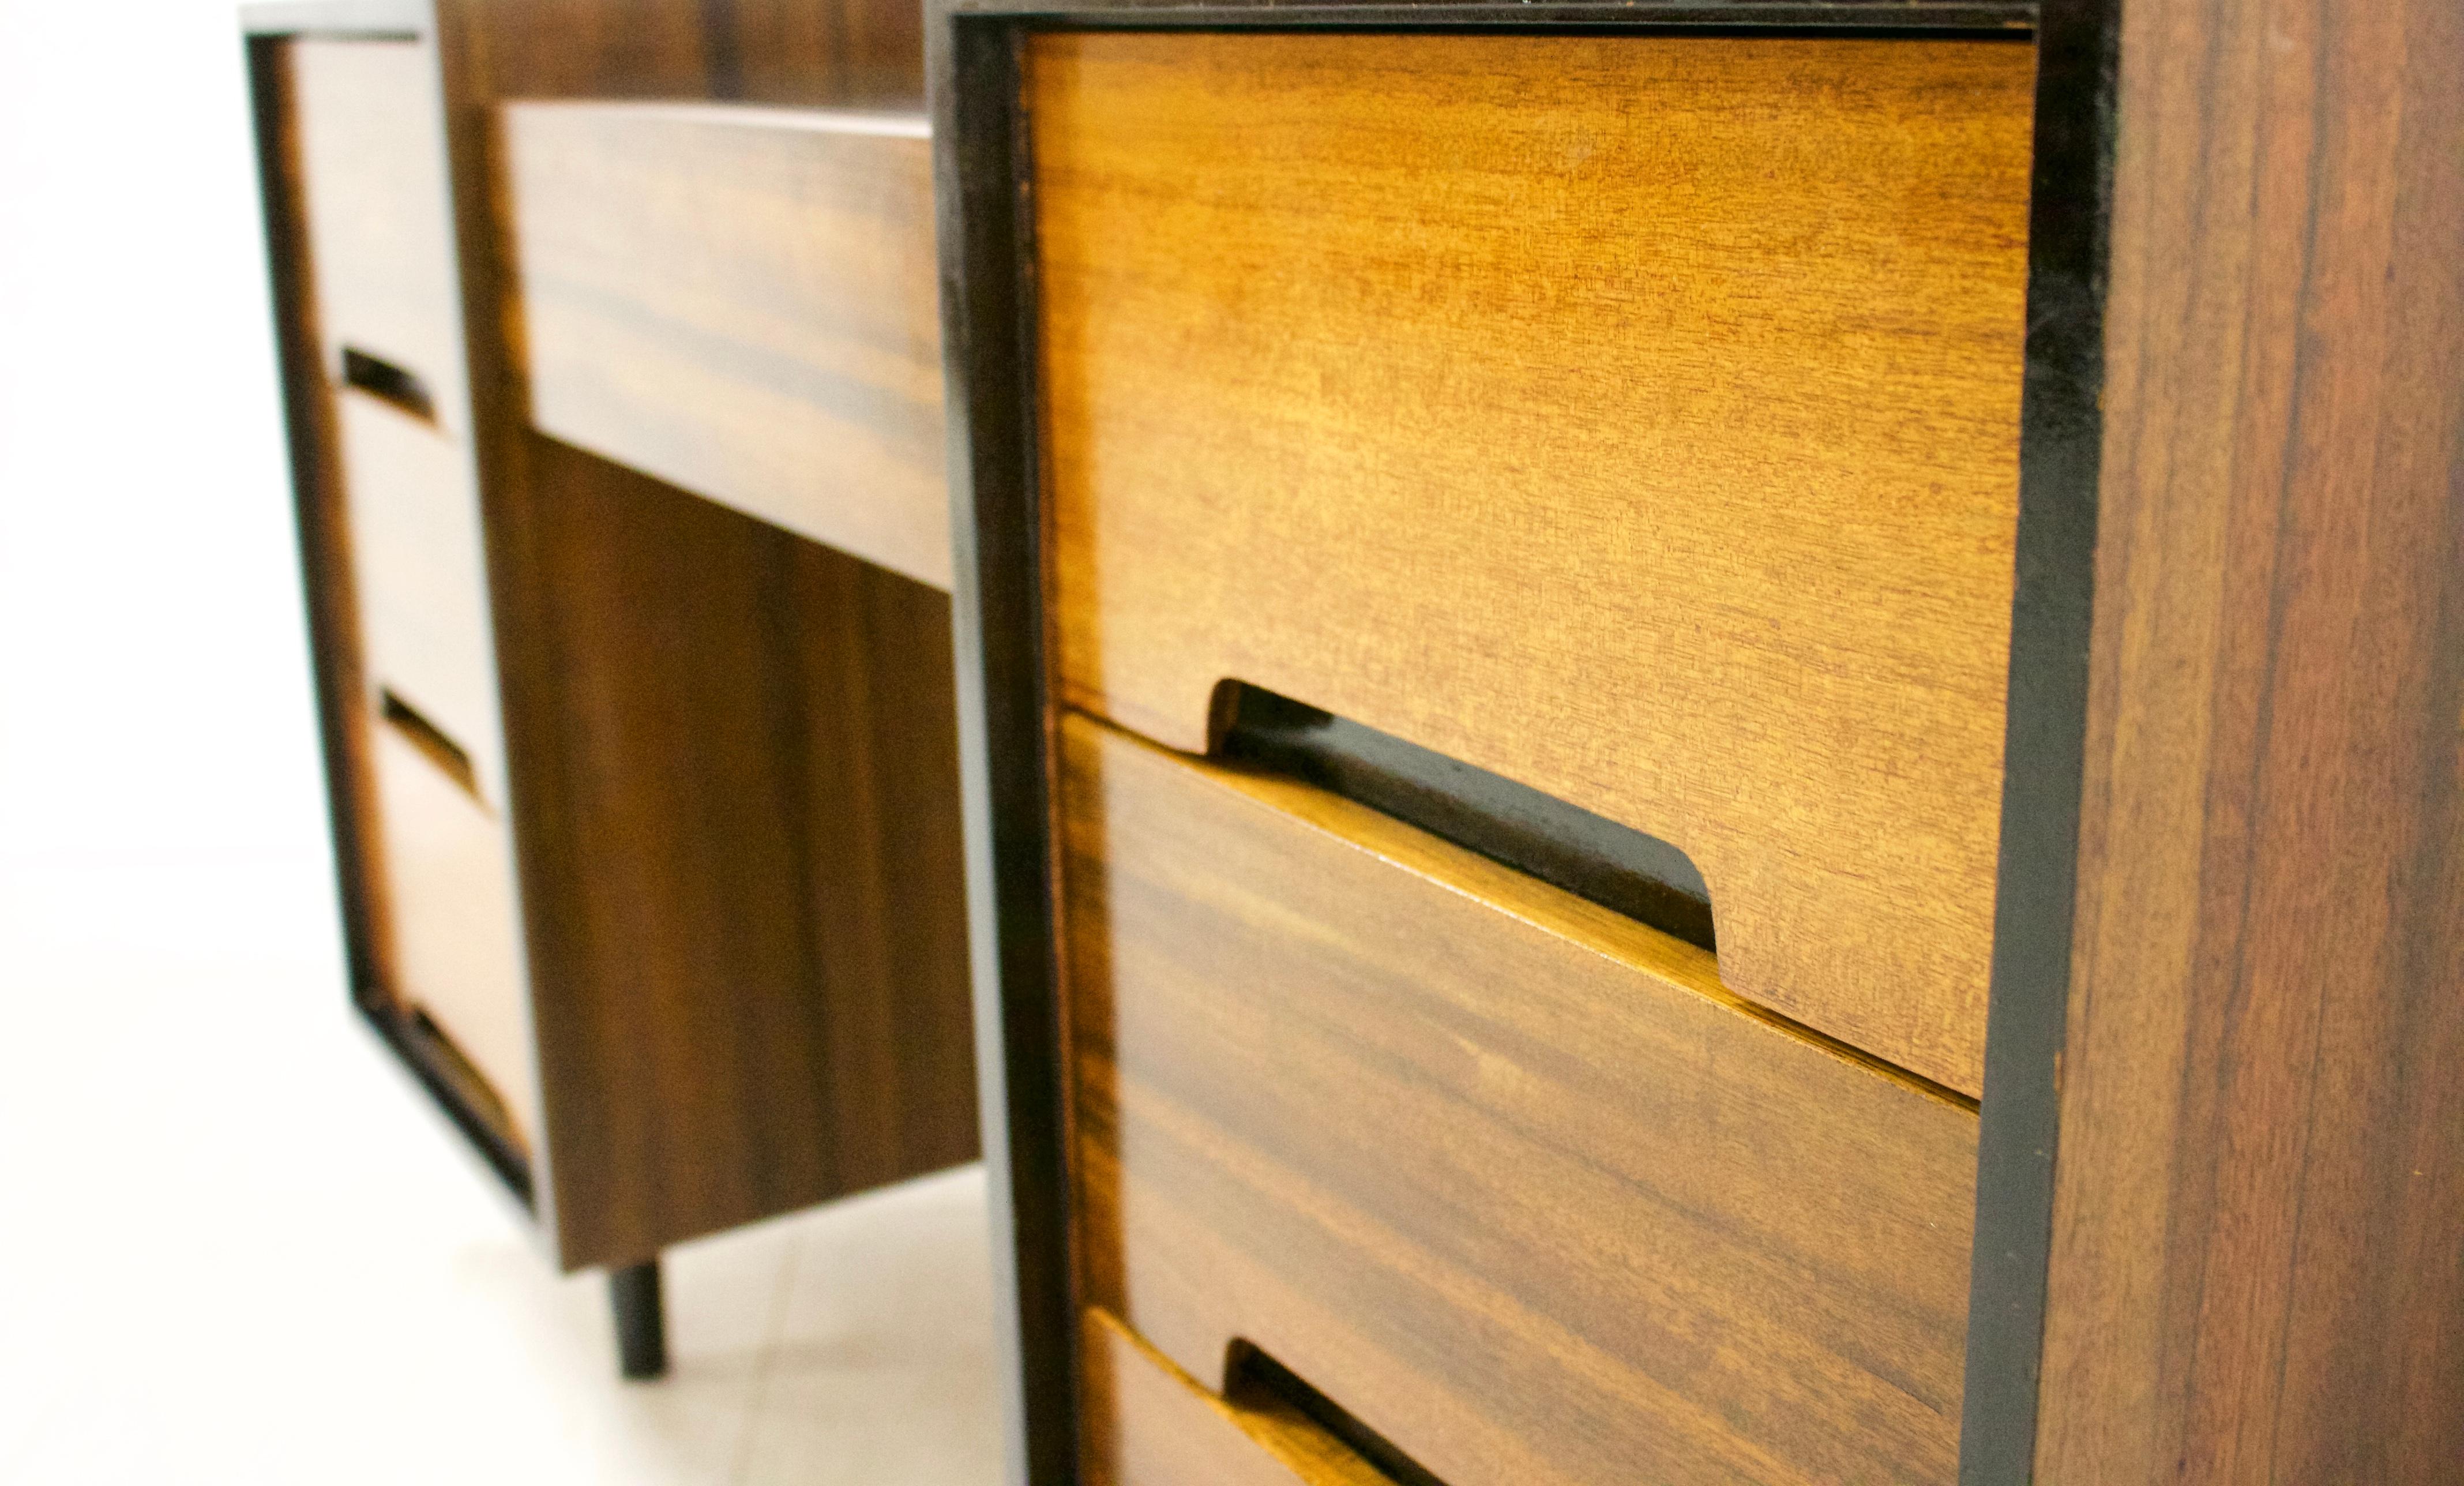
(371, 156)
(453, 927)
(1635, 418)
(420, 572)
(741, 301)
(1506, 1176)
(1149, 1425)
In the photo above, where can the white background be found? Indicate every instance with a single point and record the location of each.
(233, 1244)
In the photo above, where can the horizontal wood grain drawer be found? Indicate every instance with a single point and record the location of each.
(371, 155)
(1633, 417)
(1505, 1175)
(451, 929)
(1148, 1423)
(420, 571)
(741, 301)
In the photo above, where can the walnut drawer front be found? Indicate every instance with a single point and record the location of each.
(742, 300)
(1633, 417)
(420, 570)
(1509, 1177)
(1149, 1425)
(380, 225)
(453, 937)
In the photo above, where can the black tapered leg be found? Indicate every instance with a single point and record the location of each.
(641, 1320)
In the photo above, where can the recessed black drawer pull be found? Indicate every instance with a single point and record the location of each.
(388, 382)
(1566, 846)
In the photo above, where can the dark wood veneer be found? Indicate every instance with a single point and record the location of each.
(2218, 1181)
(729, 755)
(2258, 1261)
(760, 737)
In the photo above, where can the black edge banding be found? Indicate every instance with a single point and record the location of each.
(2060, 443)
(297, 359)
(443, 1084)
(973, 75)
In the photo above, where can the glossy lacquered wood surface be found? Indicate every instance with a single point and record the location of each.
(1149, 1424)
(741, 300)
(1505, 1175)
(452, 938)
(688, 760)
(770, 1002)
(1634, 417)
(2256, 1270)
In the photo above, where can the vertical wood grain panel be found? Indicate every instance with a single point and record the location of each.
(770, 1006)
(673, 817)
(2257, 1272)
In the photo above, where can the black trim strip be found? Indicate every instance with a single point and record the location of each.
(1004, 745)
(441, 1070)
(2061, 455)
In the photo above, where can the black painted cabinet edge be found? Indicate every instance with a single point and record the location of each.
(2061, 430)
(1005, 741)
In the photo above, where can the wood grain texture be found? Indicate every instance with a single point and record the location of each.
(355, 210)
(1149, 1424)
(768, 1002)
(1633, 417)
(2257, 1274)
(741, 301)
(379, 239)
(420, 565)
(454, 944)
(698, 1061)
(1507, 1176)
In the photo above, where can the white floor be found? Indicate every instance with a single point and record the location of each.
(233, 1247)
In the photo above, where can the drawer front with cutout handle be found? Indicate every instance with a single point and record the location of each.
(1508, 1176)
(1633, 417)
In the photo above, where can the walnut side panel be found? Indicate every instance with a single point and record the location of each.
(651, 826)
(2257, 1272)
(741, 301)
(1636, 418)
(768, 1004)
(1505, 1175)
